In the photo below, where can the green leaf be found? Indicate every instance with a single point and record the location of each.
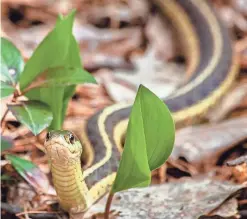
(73, 59)
(61, 77)
(53, 97)
(60, 18)
(52, 51)
(30, 172)
(68, 76)
(11, 62)
(57, 97)
(158, 127)
(68, 93)
(6, 89)
(34, 114)
(149, 141)
(6, 143)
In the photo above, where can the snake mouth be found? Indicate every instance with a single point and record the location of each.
(57, 152)
(61, 153)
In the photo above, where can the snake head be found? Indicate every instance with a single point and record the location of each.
(63, 147)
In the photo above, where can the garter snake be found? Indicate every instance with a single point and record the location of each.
(212, 69)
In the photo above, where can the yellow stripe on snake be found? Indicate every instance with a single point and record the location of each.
(212, 68)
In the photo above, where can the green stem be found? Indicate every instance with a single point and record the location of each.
(108, 205)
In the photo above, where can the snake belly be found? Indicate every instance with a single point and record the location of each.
(212, 69)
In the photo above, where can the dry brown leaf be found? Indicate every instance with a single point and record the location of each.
(237, 161)
(22, 194)
(240, 5)
(232, 100)
(114, 12)
(203, 144)
(232, 18)
(160, 37)
(151, 72)
(185, 200)
(240, 173)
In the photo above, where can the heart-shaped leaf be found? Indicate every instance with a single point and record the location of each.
(6, 89)
(34, 114)
(149, 141)
(6, 143)
(30, 172)
(11, 62)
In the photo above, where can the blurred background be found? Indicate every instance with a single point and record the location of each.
(123, 43)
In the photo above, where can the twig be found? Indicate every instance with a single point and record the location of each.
(237, 161)
(15, 96)
(242, 202)
(108, 205)
(35, 212)
(25, 213)
(2, 120)
(13, 209)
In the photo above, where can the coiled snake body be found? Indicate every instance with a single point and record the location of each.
(212, 69)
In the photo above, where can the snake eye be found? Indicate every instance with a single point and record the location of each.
(48, 135)
(71, 139)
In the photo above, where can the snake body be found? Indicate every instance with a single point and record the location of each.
(212, 69)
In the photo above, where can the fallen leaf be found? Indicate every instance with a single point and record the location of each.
(154, 74)
(160, 37)
(237, 161)
(30, 172)
(240, 5)
(203, 144)
(181, 200)
(232, 18)
(229, 102)
(228, 209)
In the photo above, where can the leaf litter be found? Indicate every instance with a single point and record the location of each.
(186, 200)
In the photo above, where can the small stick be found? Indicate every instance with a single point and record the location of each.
(2, 120)
(35, 212)
(237, 161)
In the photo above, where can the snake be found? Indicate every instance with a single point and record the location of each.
(212, 68)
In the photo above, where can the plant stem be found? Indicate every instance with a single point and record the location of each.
(108, 205)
